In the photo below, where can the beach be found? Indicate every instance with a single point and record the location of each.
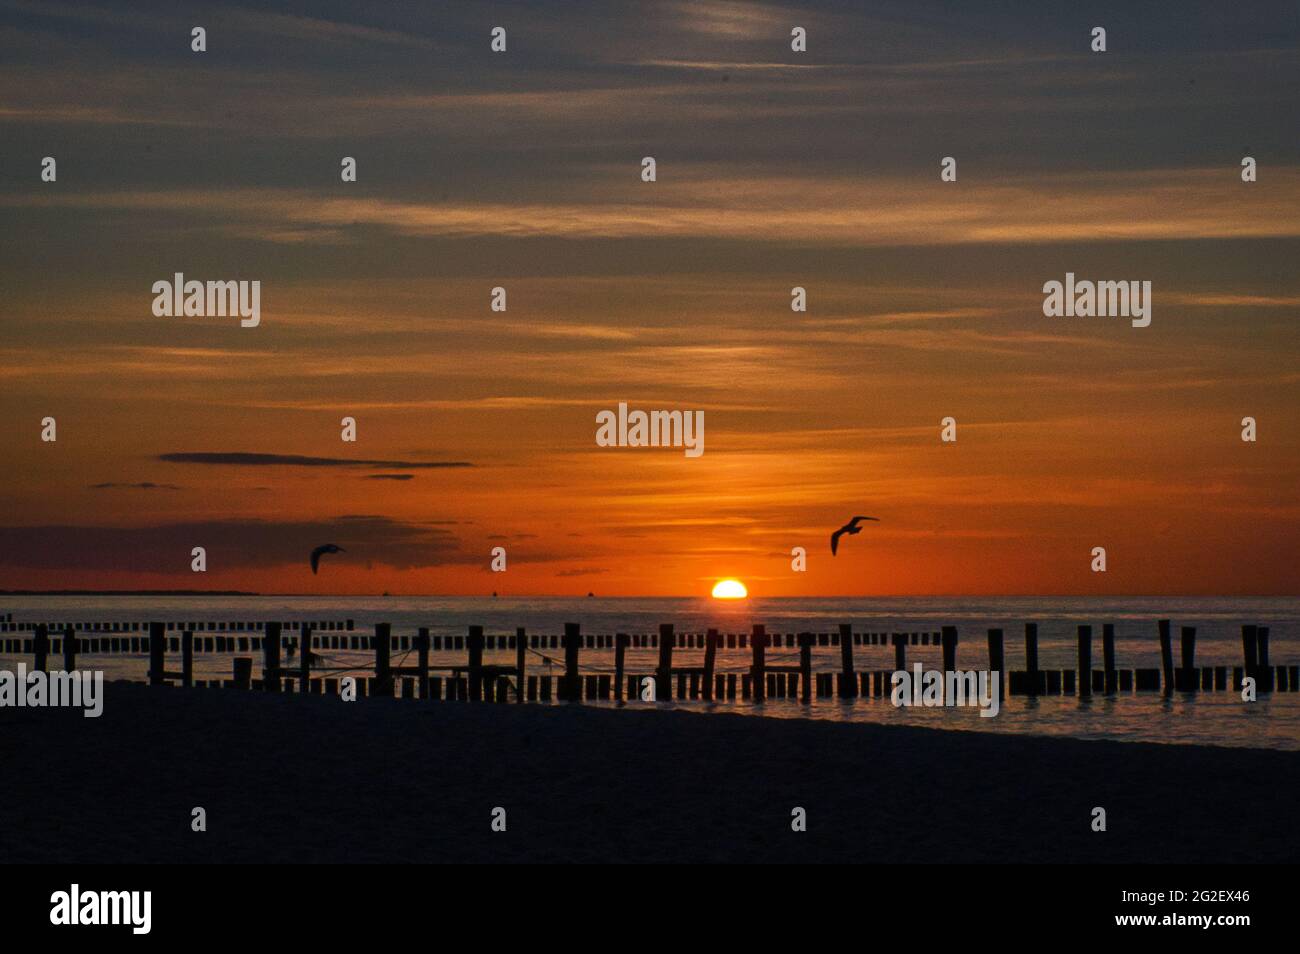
(316, 779)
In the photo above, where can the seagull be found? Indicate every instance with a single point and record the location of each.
(850, 528)
(328, 548)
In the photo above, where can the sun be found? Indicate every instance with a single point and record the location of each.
(729, 590)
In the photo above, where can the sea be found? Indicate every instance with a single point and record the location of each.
(1205, 718)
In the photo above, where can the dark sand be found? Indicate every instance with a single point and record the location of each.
(317, 779)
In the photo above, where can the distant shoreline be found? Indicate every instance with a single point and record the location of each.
(878, 597)
(128, 593)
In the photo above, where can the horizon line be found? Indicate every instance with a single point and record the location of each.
(668, 596)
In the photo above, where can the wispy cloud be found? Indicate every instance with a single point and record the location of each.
(229, 543)
(241, 459)
(142, 485)
(713, 203)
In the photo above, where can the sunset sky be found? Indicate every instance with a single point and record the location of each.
(775, 169)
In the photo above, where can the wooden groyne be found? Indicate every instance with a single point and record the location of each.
(217, 637)
(779, 675)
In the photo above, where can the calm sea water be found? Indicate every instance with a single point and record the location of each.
(1217, 718)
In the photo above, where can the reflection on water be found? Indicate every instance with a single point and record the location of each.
(1205, 719)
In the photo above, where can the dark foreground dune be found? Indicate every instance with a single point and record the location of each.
(316, 779)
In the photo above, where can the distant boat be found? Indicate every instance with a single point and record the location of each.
(494, 594)
(590, 594)
(386, 593)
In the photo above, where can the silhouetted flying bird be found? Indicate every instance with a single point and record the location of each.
(850, 528)
(321, 551)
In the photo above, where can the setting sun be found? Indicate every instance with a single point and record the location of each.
(729, 590)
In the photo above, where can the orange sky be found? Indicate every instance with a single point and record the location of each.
(924, 302)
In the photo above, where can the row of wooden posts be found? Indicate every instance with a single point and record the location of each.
(105, 638)
(475, 681)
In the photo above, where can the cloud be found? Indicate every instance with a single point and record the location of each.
(240, 459)
(708, 201)
(1236, 300)
(582, 571)
(388, 476)
(230, 544)
(143, 485)
(316, 30)
(730, 20)
(280, 26)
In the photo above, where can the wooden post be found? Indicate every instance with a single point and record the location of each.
(664, 674)
(474, 648)
(1166, 656)
(41, 649)
(304, 657)
(1085, 661)
(710, 658)
(1249, 648)
(758, 645)
(69, 649)
(997, 661)
(805, 667)
(422, 661)
(271, 658)
(572, 679)
(848, 684)
(383, 660)
(949, 649)
(242, 667)
(1265, 678)
(620, 652)
(521, 661)
(157, 651)
(900, 652)
(1031, 657)
(187, 659)
(1108, 654)
(1188, 680)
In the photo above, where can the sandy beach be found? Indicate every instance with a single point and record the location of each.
(317, 780)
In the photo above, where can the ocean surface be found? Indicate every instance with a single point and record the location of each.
(1211, 718)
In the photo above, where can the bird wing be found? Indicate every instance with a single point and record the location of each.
(856, 519)
(835, 540)
(315, 558)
